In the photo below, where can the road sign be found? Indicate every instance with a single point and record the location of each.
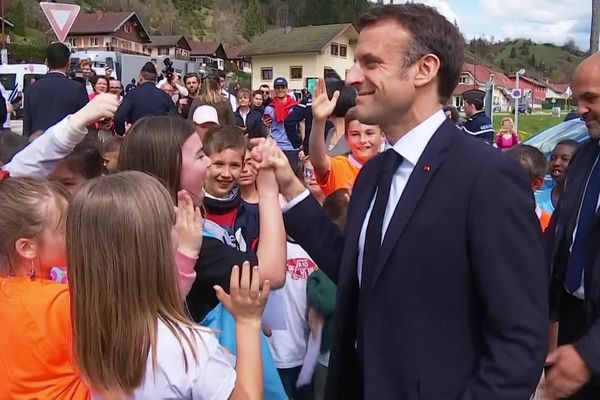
(515, 93)
(553, 101)
(61, 17)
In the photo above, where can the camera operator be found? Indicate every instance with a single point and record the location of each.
(169, 75)
(84, 74)
(192, 84)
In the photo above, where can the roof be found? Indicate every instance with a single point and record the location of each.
(482, 73)
(203, 48)
(304, 39)
(233, 52)
(170, 41)
(531, 80)
(559, 87)
(103, 22)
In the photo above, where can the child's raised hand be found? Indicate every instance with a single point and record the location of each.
(188, 226)
(246, 301)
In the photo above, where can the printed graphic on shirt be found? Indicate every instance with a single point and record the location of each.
(300, 268)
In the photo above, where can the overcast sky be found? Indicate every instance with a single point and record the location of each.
(540, 20)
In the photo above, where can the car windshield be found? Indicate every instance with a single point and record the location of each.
(547, 139)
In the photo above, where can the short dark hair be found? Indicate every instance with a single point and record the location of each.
(191, 75)
(454, 115)
(477, 103)
(336, 206)
(221, 138)
(57, 56)
(265, 85)
(530, 158)
(431, 33)
(96, 78)
(112, 144)
(254, 93)
(148, 76)
(11, 144)
(568, 142)
(85, 160)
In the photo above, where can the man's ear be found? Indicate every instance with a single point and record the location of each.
(538, 183)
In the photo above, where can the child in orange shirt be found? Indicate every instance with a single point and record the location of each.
(35, 345)
(364, 141)
(534, 163)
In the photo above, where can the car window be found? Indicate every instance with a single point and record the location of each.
(8, 81)
(546, 140)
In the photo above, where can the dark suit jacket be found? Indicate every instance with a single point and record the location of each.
(49, 100)
(457, 306)
(254, 126)
(146, 99)
(560, 239)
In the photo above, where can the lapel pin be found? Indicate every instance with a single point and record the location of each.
(426, 168)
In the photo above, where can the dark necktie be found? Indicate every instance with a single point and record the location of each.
(585, 221)
(373, 237)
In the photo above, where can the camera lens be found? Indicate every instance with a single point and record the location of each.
(347, 98)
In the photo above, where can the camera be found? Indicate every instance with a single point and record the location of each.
(168, 70)
(347, 98)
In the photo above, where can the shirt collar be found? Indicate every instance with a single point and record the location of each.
(412, 145)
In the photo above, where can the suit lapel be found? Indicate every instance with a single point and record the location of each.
(428, 163)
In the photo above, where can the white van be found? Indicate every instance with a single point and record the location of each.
(15, 78)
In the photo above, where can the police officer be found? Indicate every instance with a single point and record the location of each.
(478, 124)
(146, 99)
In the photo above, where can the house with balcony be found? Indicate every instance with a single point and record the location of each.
(243, 63)
(174, 46)
(112, 31)
(208, 54)
(534, 91)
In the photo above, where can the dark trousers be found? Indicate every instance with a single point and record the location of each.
(571, 327)
(289, 376)
(292, 156)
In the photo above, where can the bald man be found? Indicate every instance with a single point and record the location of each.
(574, 366)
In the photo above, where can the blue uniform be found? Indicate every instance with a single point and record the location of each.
(480, 126)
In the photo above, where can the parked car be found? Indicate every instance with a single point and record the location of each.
(547, 139)
(524, 108)
(496, 108)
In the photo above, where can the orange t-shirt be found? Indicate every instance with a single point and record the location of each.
(343, 171)
(35, 341)
(544, 218)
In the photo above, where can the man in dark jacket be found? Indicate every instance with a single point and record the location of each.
(53, 97)
(574, 367)
(146, 99)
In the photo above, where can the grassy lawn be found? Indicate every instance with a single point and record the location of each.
(529, 124)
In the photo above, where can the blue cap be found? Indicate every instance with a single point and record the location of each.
(280, 82)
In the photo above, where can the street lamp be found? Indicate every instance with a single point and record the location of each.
(519, 72)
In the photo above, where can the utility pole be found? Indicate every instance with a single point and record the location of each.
(595, 28)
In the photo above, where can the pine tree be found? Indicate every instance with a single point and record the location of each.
(533, 60)
(513, 53)
(255, 23)
(18, 18)
(502, 65)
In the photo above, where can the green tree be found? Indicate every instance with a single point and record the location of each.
(254, 23)
(513, 53)
(533, 60)
(18, 18)
(502, 65)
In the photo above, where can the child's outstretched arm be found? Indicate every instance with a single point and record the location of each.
(246, 302)
(188, 230)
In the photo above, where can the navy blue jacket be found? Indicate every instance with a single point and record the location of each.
(49, 100)
(560, 239)
(457, 304)
(480, 126)
(302, 112)
(254, 126)
(146, 99)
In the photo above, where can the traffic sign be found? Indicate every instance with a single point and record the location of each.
(553, 101)
(61, 17)
(515, 93)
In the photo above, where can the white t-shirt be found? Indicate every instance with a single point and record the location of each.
(213, 377)
(288, 346)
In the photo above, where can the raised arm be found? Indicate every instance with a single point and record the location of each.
(322, 108)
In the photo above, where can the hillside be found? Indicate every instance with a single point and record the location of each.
(235, 22)
(540, 60)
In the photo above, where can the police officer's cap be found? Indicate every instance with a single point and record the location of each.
(149, 67)
(473, 95)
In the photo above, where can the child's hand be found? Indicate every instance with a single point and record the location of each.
(102, 106)
(246, 301)
(188, 226)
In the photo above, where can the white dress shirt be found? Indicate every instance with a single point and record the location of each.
(580, 293)
(410, 147)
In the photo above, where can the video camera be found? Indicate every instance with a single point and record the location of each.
(347, 98)
(168, 71)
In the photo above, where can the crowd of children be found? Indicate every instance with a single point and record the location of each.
(160, 234)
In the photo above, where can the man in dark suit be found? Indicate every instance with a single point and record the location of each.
(575, 255)
(442, 286)
(54, 96)
(144, 100)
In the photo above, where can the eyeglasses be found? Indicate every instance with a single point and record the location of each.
(265, 92)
